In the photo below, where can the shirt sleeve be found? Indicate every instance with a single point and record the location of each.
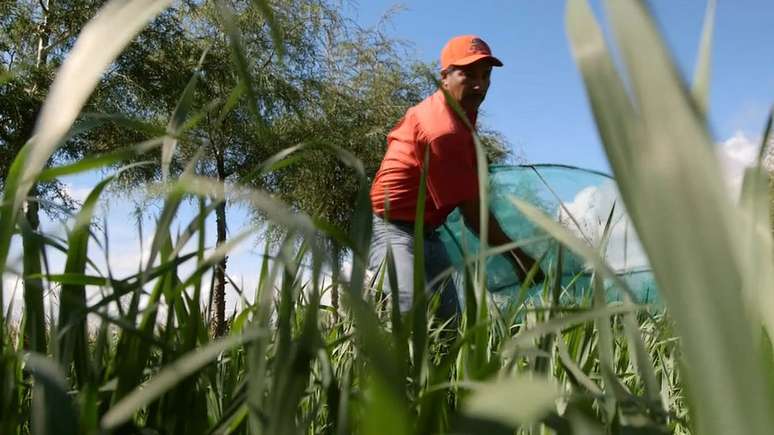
(452, 177)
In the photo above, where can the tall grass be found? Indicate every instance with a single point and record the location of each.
(293, 365)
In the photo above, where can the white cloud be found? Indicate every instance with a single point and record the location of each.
(736, 154)
(126, 258)
(590, 210)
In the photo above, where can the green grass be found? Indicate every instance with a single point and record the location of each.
(292, 365)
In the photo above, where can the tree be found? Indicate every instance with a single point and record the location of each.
(322, 81)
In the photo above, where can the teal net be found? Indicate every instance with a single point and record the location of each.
(582, 201)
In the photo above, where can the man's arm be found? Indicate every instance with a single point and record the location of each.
(522, 262)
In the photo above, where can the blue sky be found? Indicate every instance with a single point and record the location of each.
(537, 99)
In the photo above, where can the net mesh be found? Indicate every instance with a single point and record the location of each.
(582, 201)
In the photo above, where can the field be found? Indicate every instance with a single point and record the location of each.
(148, 363)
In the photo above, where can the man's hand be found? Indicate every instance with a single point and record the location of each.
(523, 264)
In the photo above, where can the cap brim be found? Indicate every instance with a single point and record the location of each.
(475, 58)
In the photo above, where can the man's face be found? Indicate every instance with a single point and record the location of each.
(468, 84)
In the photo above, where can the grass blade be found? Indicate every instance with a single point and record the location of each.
(53, 412)
(514, 401)
(98, 162)
(419, 308)
(241, 65)
(170, 376)
(176, 121)
(276, 30)
(661, 147)
(758, 250)
(9, 212)
(34, 311)
(558, 324)
(72, 323)
(701, 73)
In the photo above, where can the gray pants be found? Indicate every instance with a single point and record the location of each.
(400, 237)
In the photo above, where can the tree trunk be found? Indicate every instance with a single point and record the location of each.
(335, 300)
(219, 297)
(32, 209)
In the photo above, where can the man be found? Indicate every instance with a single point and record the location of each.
(452, 178)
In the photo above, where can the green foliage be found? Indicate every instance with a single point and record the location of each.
(34, 39)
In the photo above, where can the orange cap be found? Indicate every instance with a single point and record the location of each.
(464, 50)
